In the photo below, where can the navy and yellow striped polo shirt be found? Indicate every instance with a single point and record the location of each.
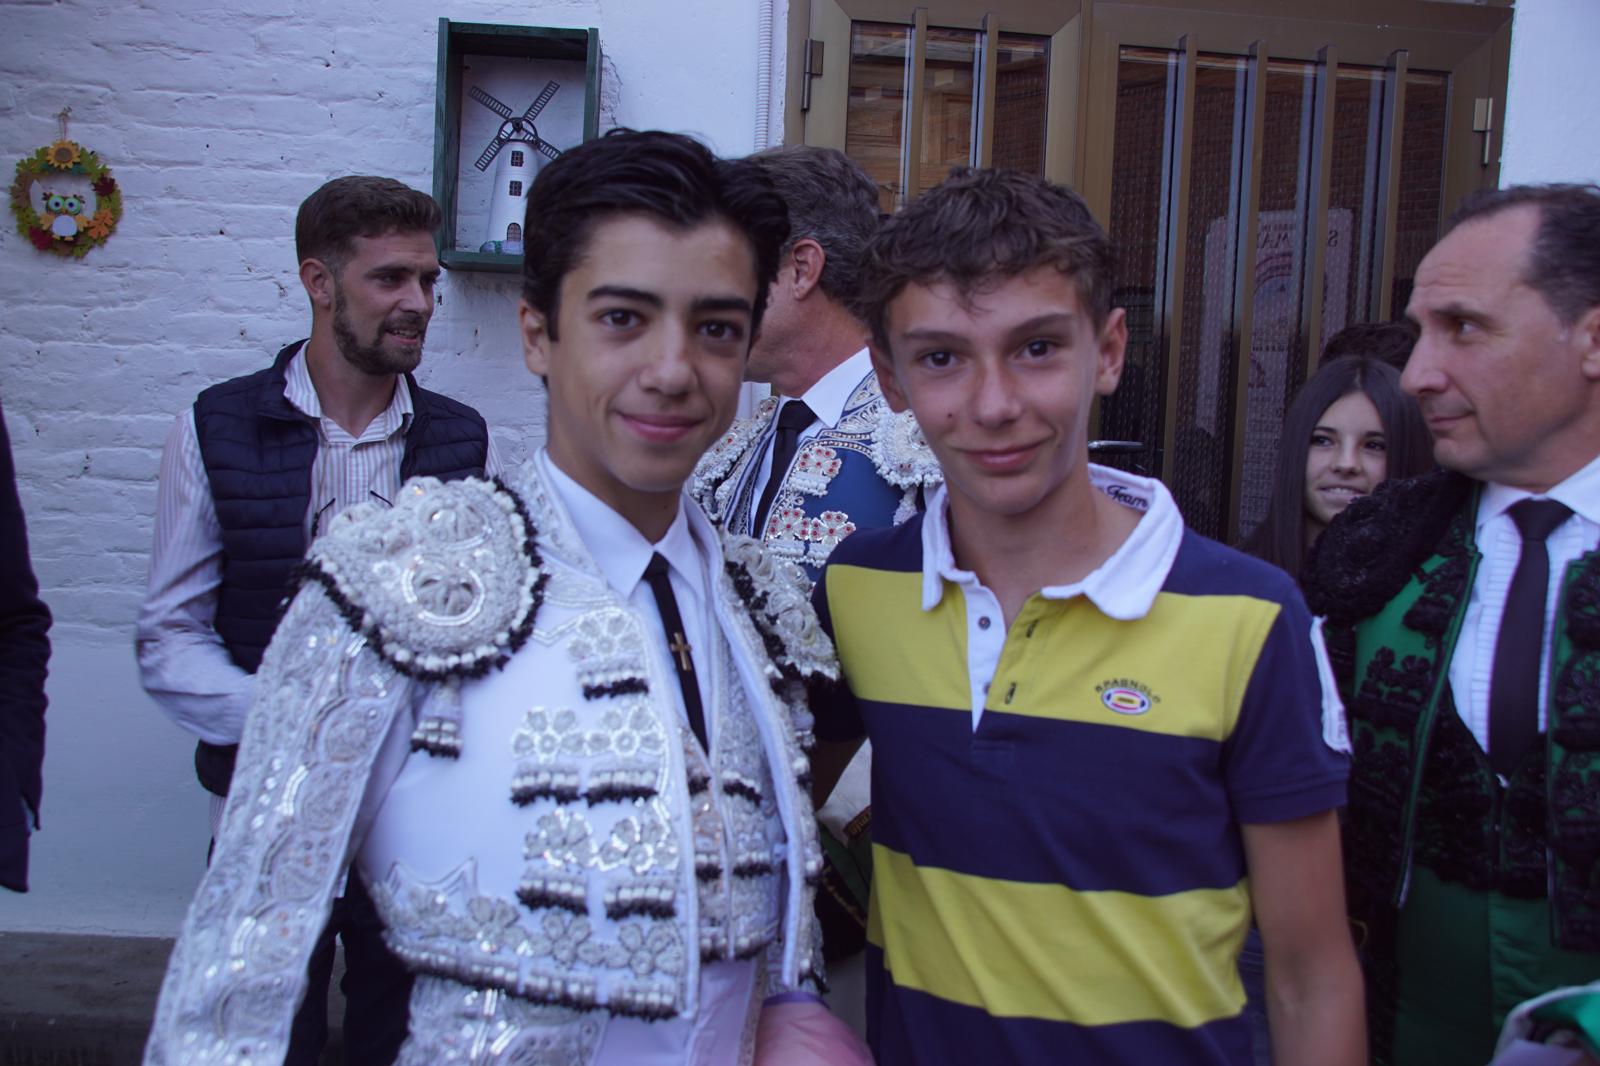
(1066, 882)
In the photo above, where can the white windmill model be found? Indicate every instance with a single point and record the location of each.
(516, 169)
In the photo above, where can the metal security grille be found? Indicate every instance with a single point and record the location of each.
(1238, 161)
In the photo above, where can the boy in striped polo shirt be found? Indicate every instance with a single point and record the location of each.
(1102, 741)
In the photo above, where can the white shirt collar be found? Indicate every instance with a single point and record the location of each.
(833, 390)
(300, 391)
(616, 546)
(1580, 491)
(1123, 587)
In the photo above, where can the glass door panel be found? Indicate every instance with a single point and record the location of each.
(1205, 366)
(950, 66)
(1147, 89)
(952, 83)
(1422, 147)
(1021, 91)
(1358, 133)
(1277, 365)
(875, 115)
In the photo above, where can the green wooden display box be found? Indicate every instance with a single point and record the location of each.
(457, 42)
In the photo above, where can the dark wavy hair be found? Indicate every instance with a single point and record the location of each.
(1389, 341)
(1564, 262)
(980, 226)
(361, 205)
(1280, 538)
(832, 201)
(648, 172)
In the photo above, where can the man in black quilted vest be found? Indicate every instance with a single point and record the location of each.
(255, 469)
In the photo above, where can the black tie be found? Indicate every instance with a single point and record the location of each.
(792, 421)
(1514, 685)
(678, 645)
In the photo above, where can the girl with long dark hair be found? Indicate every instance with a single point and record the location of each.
(1349, 429)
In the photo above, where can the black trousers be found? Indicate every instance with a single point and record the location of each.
(376, 987)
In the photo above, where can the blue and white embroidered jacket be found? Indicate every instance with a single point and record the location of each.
(869, 469)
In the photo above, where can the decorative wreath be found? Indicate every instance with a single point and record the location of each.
(64, 226)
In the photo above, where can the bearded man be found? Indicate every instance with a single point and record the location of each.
(254, 470)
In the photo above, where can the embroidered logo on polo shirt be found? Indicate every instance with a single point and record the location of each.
(1126, 696)
(1125, 496)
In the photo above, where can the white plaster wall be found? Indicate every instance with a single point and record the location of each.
(1552, 114)
(217, 123)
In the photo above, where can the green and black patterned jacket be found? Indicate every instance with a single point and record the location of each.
(1393, 577)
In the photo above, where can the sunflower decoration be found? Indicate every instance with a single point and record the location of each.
(65, 222)
(62, 154)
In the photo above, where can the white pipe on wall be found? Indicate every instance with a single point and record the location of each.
(754, 392)
(763, 137)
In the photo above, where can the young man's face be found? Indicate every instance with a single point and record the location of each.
(653, 327)
(383, 299)
(1001, 383)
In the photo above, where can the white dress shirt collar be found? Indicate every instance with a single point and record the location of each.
(1123, 587)
(616, 546)
(1580, 491)
(832, 391)
(301, 391)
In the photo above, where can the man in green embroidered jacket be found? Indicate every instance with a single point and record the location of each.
(1464, 621)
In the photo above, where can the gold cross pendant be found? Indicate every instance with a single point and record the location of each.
(680, 647)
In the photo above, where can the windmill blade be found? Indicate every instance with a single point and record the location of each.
(547, 148)
(489, 153)
(490, 102)
(539, 101)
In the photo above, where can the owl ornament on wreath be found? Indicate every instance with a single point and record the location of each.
(64, 220)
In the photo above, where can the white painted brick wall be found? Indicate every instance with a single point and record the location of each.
(217, 123)
(1552, 108)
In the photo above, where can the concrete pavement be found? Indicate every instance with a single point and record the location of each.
(68, 1000)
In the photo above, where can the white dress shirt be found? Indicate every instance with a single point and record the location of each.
(622, 553)
(183, 663)
(1501, 546)
(826, 399)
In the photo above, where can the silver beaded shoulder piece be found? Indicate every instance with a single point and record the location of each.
(901, 453)
(445, 585)
(800, 657)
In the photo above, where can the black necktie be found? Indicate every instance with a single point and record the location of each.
(678, 645)
(792, 421)
(1514, 685)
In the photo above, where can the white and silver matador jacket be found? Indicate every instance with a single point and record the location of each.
(458, 693)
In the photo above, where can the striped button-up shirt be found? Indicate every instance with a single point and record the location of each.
(182, 661)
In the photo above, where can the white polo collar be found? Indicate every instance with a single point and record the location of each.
(1124, 587)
